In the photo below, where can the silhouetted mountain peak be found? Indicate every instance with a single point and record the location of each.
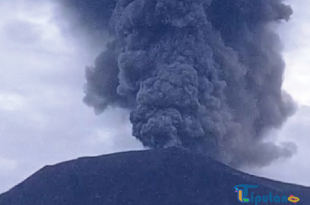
(153, 177)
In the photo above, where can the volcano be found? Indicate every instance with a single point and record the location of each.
(169, 176)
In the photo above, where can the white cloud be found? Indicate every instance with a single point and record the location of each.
(11, 101)
(7, 165)
(295, 35)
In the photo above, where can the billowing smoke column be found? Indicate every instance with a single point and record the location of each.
(200, 74)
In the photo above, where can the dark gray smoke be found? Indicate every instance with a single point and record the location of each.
(200, 74)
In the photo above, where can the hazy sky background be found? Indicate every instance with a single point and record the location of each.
(44, 121)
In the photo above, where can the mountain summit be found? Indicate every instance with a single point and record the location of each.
(153, 177)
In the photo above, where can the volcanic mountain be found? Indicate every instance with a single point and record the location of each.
(153, 177)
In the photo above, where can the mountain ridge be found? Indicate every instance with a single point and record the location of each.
(164, 176)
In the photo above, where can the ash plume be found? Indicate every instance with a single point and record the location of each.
(205, 75)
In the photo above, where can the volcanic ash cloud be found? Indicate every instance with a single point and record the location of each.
(199, 74)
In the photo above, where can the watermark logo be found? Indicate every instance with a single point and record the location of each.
(242, 191)
(293, 199)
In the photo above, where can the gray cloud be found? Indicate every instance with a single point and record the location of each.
(295, 169)
(203, 75)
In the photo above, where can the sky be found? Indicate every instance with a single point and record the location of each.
(295, 37)
(43, 120)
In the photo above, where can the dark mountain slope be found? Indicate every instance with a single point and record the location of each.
(154, 177)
